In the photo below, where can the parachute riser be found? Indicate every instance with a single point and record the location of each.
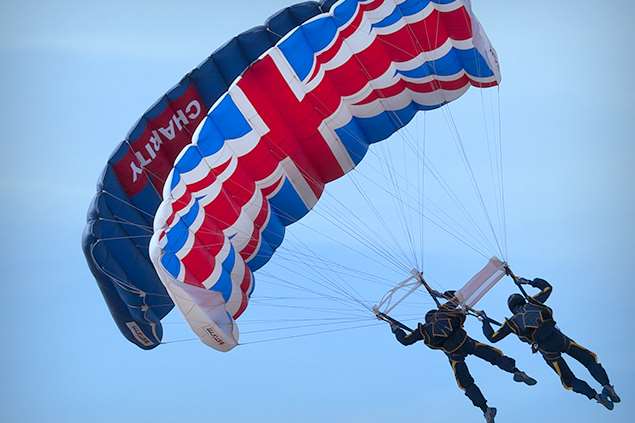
(515, 278)
(386, 318)
(434, 294)
(488, 319)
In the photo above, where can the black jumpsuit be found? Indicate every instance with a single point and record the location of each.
(444, 330)
(534, 324)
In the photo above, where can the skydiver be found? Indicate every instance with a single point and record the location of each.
(533, 323)
(443, 329)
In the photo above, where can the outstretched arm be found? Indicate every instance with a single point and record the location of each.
(501, 333)
(545, 289)
(406, 339)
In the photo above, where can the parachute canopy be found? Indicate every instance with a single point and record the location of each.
(302, 115)
(117, 234)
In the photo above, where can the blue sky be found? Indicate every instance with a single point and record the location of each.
(77, 76)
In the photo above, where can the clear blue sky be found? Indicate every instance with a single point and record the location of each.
(77, 75)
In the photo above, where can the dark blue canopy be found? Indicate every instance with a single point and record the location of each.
(120, 218)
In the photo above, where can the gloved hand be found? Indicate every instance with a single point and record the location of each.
(524, 281)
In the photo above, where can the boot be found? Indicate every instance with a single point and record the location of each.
(609, 391)
(523, 377)
(604, 400)
(490, 414)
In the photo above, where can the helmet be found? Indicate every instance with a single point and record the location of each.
(429, 316)
(514, 301)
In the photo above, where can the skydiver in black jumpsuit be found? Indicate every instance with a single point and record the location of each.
(443, 330)
(533, 323)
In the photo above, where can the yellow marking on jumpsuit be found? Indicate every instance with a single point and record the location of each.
(556, 367)
(594, 355)
(453, 364)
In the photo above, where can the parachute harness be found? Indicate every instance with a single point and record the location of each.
(516, 280)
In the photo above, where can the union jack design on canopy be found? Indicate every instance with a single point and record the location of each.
(302, 115)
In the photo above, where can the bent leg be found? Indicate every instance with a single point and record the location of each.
(495, 357)
(466, 382)
(568, 379)
(589, 360)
